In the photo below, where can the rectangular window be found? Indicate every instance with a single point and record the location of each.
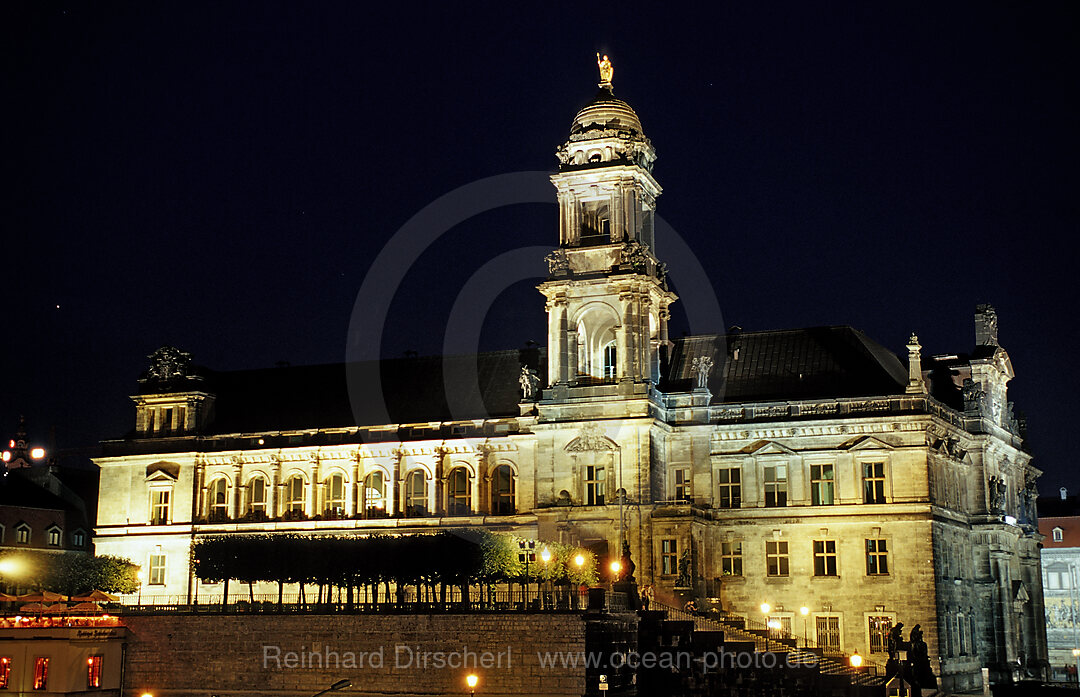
(159, 506)
(5, 672)
(824, 557)
(779, 624)
(22, 535)
(41, 673)
(822, 485)
(93, 671)
(776, 558)
(827, 633)
(873, 482)
(594, 485)
(879, 633)
(150, 414)
(961, 630)
(181, 418)
(669, 557)
(730, 494)
(157, 569)
(166, 419)
(775, 486)
(682, 484)
(877, 558)
(54, 537)
(731, 558)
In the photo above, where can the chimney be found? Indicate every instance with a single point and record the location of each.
(986, 325)
(1064, 492)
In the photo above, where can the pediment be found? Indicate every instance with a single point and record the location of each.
(163, 471)
(1021, 594)
(768, 447)
(866, 443)
(591, 437)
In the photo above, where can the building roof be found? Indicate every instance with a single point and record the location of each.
(793, 364)
(1057, 507)
(604, 112)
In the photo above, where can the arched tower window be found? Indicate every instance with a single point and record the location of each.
(294, 495)
(257, 497)
(219, 500)
(416, 494)
(610, 357)
(375, 495)
(459, 493)
(502, 491)
(335, 496)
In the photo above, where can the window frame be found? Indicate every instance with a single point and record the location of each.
(729, 491)
(254, 506)
(873, 482)
(295, 504)
(94, 666)
(731, 558)
(40, 679)
(826, 558)
(595, 480)
(780, 553)
(23, 534)
(1057, 535)
(682, 489)
(777, 486)
(416, 502)
(874, 629)
(818, 482)
(669, 556)
(877, 556)
(156, 567)
(833, 636)
(372, 510)
(458, 494)
(335, 505)
(499, 496)
(160, 505)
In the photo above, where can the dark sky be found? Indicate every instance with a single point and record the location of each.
(220, 176)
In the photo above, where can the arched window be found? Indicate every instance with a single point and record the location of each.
(375, 495)
(459, 494)
(257, 497)
(294, 495)
(502, 491)
(609, 360)
(416, 494)
(335, 495)
(219, 500)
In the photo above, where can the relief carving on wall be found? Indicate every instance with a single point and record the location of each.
(590, 438)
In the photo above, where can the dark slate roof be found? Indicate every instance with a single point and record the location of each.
(415, 390)
(17, 491)
(1056, 507)
(814, 363)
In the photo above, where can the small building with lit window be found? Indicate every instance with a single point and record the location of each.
(36, 658)
(807, 468)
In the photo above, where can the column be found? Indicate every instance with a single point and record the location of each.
(357, 488)
(273, 494)
(440, 482)
(397, 483)
(238, 485)
(312, 494)
(572, 354)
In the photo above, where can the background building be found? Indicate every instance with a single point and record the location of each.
(799, 468)
(1059, 523)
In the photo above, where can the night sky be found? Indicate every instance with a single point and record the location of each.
(221, 176)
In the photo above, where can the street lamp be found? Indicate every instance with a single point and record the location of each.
(139, 578)
(526, 554)
(615, 567)
(804, 611)
(471, 680)
(339, 685)
(545, 556)
(855, 660)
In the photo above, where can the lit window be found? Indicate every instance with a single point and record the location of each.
(294, 493)
(1059, 534)
(731, 558)
(93, 671)
(669, 557)
(824, 557)
(55, 535)
(22, 534)
(877, 558)
(775, 486)
(375, 494)
(219, 500)
(873, 482)
(594, 485)
(41, 673)
(682, 484)
(257, 496)
(157, 569)
(459, 493)
(335, 501)
(159, 506)
(776, 558)
(5, 672)
(730, 495)
(503, 496)
(879, 633)
(416, 494)
(828, 632)
(822, 485)
(78, 538)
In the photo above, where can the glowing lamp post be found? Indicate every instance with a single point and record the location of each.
(804, 611)
(855, 660)
(545, 556)
(472, 680)
(616, 568)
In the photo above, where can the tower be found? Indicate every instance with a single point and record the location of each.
(607, 298)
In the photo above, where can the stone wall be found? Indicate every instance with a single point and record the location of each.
(250, 655)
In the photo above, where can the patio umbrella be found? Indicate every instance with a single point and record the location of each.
(57, 609)
(42, 597)
(5, 598)
(33, 607)
(95, 596)
(86, 607)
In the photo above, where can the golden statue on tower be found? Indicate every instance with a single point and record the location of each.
(606, 71)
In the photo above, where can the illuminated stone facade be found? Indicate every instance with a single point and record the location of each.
(806, 468)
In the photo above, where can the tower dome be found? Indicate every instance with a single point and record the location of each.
(606, 112)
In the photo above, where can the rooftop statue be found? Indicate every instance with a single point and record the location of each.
(606, 71)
